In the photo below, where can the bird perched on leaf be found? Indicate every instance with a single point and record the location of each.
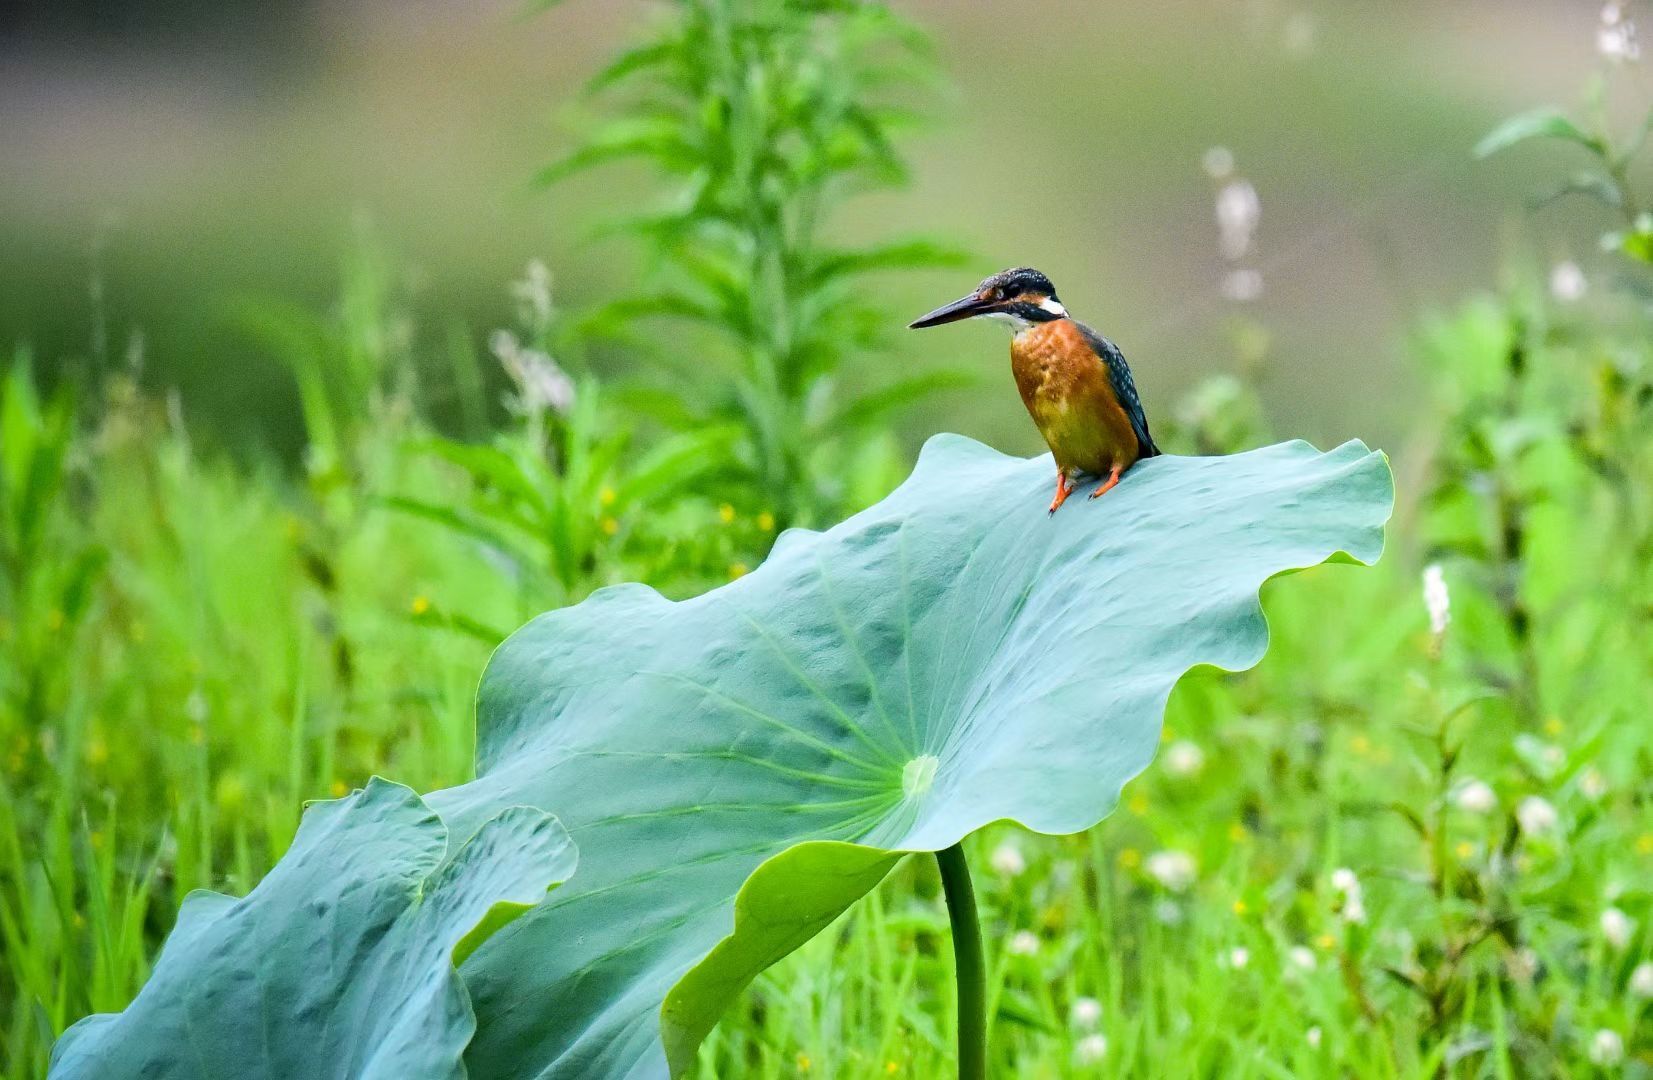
(1074, 382)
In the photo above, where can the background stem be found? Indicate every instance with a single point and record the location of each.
(967, 961)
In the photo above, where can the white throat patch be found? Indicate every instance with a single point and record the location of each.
(1020, 324)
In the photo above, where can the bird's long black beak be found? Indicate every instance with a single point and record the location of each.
(968, 307)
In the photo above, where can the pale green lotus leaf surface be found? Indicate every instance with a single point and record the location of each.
(740, 767)
(341, 962)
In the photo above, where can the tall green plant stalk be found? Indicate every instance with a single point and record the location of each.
(763, 117)
(970, 968)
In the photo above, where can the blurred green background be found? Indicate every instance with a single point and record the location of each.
(313, 228)
(159, 159)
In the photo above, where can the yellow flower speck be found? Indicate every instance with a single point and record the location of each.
(1465, 849)
(97, 751)
(1553, 726)
(420, 605)
(891, 1068)
(726, 512)
(803, 1061)
(1361, 745)
(1325, 942)
(1644, 843)
(606, 496)
(338, 789)
(1138, 805)
(766, 521)
(1130, 858)
(1240, 907)
(737, 569)
(1236, 832)
(610, 526)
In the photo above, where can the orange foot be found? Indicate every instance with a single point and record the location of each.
(1107, 485)
(1063, 489)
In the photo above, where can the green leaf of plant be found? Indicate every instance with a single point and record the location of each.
(1539, 124)
(341, 962)
(1638, 245)
(1594, 185)
(740, 767)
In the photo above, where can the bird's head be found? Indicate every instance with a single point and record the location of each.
(1022, 297)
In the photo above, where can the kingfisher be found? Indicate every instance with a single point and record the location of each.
(1074, 382)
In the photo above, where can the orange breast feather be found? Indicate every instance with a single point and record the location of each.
(1066, 390)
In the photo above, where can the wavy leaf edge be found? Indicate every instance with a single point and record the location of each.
(684, 1021)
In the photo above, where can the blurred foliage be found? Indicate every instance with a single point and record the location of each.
(1392, 850)
(761, 117)
(47, 574)
(1607, 177)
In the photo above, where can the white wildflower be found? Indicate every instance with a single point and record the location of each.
(1218, 163)
(1237, 957)
(1475, 797)
(1436, 600)
(1592, 784)
(1301, 957)
(1313, 1036)
(195, 707)
(1183, 758)
(1007, 860)
(1353, 906)
(1535, 815)
(1641, 980)
(1086, 1013)
(1024, 943)
(1607, 1047)
(1567, 283)
(1091, 1049)
(1238, 211)
(533, 295)
(1616, 927)
(1174, 870)
(540, 383)
(1616, 36)
(1242, 286)
(1167, 912)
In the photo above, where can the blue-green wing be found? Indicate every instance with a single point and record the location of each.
(1124, 387)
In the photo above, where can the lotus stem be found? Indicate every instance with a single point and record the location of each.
(970, 970)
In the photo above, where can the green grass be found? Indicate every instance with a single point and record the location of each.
(252, 639)
(193, 644)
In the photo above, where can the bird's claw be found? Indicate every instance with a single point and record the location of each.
(1063, 490)
(1107, 485)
